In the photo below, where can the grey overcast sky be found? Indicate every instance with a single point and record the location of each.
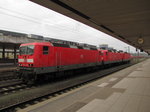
(27, 17)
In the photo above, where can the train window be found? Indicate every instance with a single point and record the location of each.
(45, 49)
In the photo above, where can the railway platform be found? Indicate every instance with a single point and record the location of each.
(127, 90)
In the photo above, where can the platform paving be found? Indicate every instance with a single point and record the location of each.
(127, 90)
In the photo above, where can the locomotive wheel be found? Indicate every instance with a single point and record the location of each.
(28, 78)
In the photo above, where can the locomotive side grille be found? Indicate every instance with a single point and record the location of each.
(88, 47)
(61, 45)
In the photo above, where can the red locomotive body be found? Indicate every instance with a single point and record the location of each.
(45, 57)
(126, 57)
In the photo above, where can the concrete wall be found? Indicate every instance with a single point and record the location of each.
(17, 40)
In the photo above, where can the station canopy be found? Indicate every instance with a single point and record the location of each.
(126, 20)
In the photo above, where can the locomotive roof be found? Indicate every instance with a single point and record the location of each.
(37, 43)
(66, 44)
(70, 44)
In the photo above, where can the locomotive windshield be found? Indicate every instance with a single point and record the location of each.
(28, 50)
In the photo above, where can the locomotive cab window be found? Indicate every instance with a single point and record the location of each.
(26, 50)
(45, 49)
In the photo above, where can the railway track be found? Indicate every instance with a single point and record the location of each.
(9, 83)
(4, 76)
(7, 87)
(21, 98)
(6, 83)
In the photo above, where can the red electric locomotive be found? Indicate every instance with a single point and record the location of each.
(45, 57)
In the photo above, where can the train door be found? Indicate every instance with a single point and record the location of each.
(45, 56)
(104, 57)
(107, 57)
(101, 57)
(58, 57)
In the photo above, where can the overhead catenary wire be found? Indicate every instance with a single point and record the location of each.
(37, 21)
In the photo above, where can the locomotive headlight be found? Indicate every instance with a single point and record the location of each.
(20, 60)
(30, 60)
